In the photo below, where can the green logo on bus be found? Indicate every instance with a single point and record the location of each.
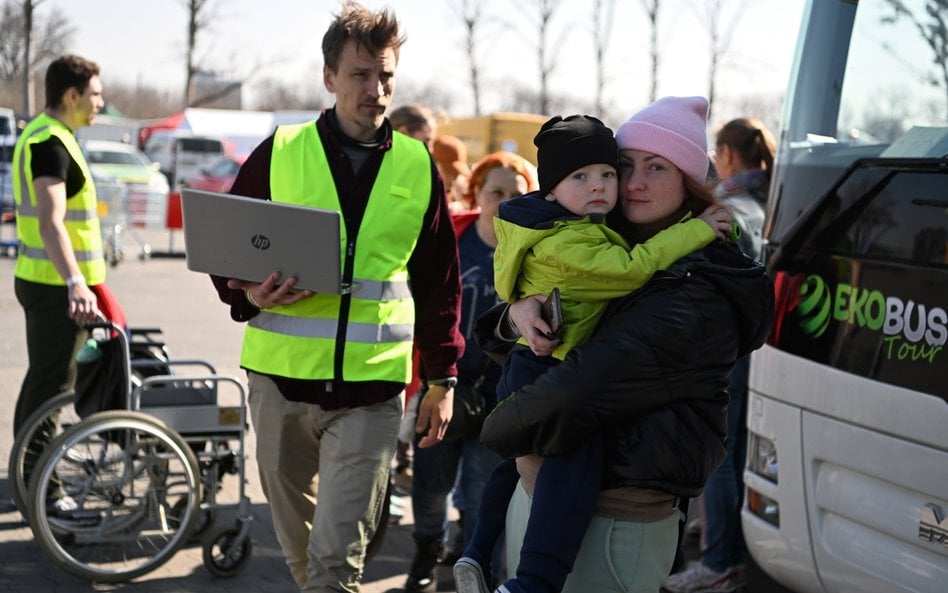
(911, 330)
(815, 305)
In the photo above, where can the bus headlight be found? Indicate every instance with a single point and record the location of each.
(762, 461)
(762, 457)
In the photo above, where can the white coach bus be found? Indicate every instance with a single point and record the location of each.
(847, 467)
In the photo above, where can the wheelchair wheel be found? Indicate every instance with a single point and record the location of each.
(39, 430)
(225, 555)
(124, 471)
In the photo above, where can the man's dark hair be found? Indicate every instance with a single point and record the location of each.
(374, 31)
(412, 117)
(64, 73)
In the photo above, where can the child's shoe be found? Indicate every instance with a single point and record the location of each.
(469, 577)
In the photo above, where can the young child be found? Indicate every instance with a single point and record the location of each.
(557, 237)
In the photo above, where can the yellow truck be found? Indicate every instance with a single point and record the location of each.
(485, 134)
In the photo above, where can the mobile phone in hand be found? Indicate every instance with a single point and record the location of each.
(552, 313)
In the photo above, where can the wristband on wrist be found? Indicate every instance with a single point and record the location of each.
(512, 327)
(251, 300)
(447, 382)
(506, 329)
(73, 280)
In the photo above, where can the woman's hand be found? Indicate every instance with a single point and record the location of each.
(269, 293)
(719, 219)
(525, 314)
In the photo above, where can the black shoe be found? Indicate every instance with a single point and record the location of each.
(422, 576)
(427, 584)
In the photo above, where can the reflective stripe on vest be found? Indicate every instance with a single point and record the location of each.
(365, 335)
(304, 327)
(80, 218)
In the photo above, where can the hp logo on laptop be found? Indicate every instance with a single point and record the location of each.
(260, 242)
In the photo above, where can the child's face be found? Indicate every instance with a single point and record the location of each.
(588, 190)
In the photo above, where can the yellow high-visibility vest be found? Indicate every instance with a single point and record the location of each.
(366, 335)
(81, 222)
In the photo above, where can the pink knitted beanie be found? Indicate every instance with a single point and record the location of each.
(674, 128)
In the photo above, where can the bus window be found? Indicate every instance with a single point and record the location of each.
(907, 219)
(888, 81)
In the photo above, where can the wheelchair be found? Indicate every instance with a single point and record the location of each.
(148, 355)
(142, 480)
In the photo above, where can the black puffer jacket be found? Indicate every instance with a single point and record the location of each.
(653, 378)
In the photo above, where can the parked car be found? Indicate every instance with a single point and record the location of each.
(219, 176)
(130, 188)
(7, 142)
(7, 126)
(123, 163)
(182, 156)
(6, 175)
(117, 162)
(108, 161)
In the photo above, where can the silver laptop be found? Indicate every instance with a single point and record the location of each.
(246, 238)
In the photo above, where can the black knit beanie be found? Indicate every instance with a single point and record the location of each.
(564, 145)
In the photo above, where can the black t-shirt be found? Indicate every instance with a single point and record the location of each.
(51, 159)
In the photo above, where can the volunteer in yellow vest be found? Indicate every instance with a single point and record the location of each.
(326, 371)
(60, 246)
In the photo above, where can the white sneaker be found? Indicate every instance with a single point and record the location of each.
(698, 578)
(63, 505)
(469, 576)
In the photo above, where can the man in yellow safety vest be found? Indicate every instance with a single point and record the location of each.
(326, 371)
(60, 259)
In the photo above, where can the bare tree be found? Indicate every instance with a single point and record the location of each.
(29, 42)
(935, 33)
(11, 53)
(274, 95)
(720, 35)
(471, 13)
(142, 101)
(766, 106)
(546, 58)
(524, 98)
(603, 12)
(430, 93)
(200, 17)
(27, 8)
(651, 10)
(520, 99)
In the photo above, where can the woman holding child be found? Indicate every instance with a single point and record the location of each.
(652, 380)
